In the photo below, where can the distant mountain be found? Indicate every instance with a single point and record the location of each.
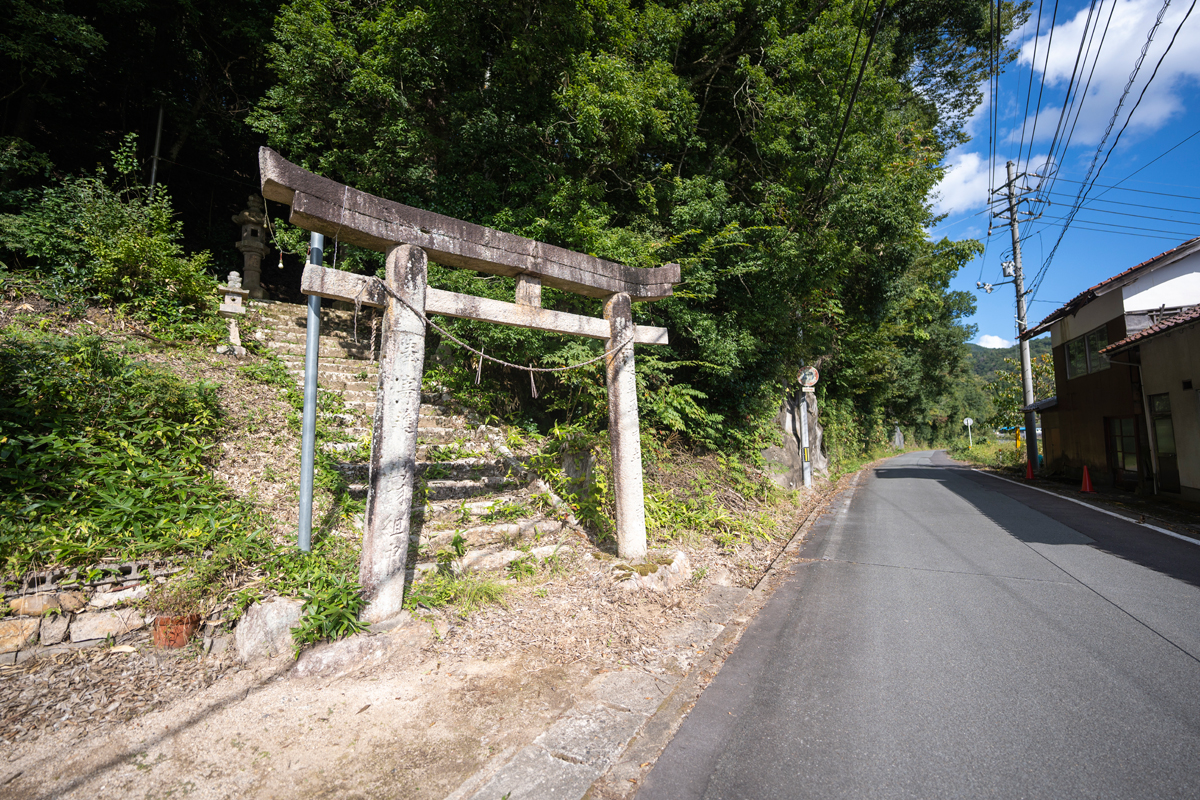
(987, 361)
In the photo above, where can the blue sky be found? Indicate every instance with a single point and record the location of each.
(1155, 204)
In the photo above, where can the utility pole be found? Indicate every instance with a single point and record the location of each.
(1031, 444)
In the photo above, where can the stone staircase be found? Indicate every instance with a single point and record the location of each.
(474, 485)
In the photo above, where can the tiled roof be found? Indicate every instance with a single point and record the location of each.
(1162, 326)
(1088, 295)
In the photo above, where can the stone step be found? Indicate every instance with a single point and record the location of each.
(347, 386)
(457, 490)
(485, 535)
(495, 558)
(329, 349)
(461, 470)
(343, 337)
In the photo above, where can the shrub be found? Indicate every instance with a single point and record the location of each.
(112, 241)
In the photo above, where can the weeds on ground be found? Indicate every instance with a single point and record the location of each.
(990, 453)
(465, 593)
(103, 457)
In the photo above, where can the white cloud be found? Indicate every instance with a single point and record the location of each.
(964, 187)
(1131, 20)
(993, 342)
(965, 184)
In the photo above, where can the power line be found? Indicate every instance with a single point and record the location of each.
(1139, 191)
(1037, 35)
(1066, 220)
(1041, 85)
(1171, 238)
(1170, 44)
(1061, 157)
(1084, 188)
(1132, 205)
(1068, 100)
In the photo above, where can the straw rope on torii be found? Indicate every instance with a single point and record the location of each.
(410, 237)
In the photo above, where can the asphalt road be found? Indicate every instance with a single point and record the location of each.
(957, 636)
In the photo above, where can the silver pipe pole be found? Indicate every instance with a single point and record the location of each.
(308, 440)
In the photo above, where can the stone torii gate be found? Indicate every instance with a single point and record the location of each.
(410, 236)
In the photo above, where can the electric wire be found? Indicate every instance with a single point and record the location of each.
(1037, 35)
(1081, 96)
(1072, 87)
(1150, 80)
(1037, 111)
(1084, 187)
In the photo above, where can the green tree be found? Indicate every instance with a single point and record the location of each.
(1007, 392)
(736, 139)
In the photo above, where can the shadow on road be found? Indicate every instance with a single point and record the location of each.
(1121, 538)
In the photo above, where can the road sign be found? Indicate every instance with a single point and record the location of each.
(808, 377)
(968, 422)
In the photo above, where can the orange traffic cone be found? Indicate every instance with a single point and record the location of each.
(1028, 470)
(1087, 481)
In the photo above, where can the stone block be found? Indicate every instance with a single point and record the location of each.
(103, 624)
(54, 628)
(593, 738)
(34, 605)
(265, 630)
(71, 601)
(110, 599)
(536, 775)
(16, 634)
(632, 691)
(664, 579)
(342, 657)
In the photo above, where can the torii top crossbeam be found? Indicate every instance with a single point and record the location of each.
(355, 217)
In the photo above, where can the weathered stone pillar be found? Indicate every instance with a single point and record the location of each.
(253, 244)
(623, 429)
(394, 442)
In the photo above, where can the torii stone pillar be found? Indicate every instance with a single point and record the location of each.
(624, 429)
(394, 452)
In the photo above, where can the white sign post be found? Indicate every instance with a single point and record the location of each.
(970, 440)
(808, 379)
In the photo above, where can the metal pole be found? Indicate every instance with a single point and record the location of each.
(1031, 445)
(804, 454)
(308, 440)
(157, 142)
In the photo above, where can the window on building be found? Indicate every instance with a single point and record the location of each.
(1164, 442)
(1083, 353)
(1076, 358)
(1097, 340)
(1124, 443)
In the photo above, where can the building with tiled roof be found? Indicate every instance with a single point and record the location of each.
(1120, 353)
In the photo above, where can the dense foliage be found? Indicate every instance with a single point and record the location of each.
(782, 153)
(103, 456)
(116, 243)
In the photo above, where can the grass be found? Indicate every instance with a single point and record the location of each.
(105, 457)
(465, 593)
(989, 453)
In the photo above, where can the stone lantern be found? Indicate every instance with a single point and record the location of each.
(253, 244)
(232, 307)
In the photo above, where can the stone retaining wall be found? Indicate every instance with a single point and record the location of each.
(50, 611)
